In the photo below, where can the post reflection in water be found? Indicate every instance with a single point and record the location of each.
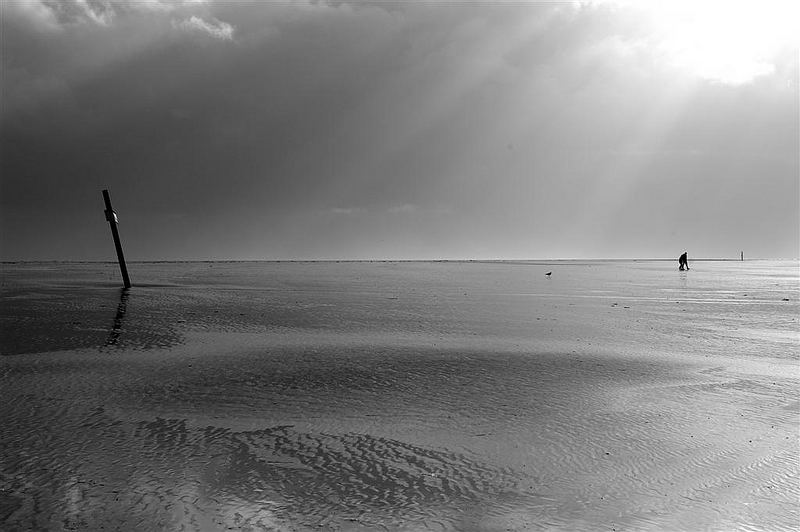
(116, 328)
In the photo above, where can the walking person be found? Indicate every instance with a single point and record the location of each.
(683, 262)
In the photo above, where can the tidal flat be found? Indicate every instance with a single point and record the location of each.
(477, 396)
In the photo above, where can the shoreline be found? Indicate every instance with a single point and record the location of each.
(401, 261)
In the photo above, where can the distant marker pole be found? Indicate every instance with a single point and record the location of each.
(742, 256)
(111, 216)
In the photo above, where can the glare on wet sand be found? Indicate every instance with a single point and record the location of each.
(400, 396)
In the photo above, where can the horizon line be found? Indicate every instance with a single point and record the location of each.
(490, 260)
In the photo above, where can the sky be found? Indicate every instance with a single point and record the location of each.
(399, 130)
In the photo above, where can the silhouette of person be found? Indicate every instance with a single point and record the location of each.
(683, 262)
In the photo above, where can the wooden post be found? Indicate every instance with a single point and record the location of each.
(111, 216)
(742, 256)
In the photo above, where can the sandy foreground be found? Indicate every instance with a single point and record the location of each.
(410, 396)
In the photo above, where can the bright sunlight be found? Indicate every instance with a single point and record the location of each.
(729, 41)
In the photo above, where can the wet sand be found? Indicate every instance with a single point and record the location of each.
(401, 397)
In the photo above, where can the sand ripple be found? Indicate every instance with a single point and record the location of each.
(179, 477)
(388, 397)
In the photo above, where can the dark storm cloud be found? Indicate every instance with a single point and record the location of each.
(354, 129)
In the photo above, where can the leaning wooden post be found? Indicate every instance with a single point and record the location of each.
(111, 216)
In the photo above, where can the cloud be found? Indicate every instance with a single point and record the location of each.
(55, 14)
(62, 14)
(51, 48)
(215, 28)
(347, 211)
(80, 11)
(405, 208)
(363, 132)
(732, 42)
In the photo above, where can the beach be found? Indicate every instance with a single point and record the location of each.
(478, 396)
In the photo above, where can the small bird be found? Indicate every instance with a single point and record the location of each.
(548, 274)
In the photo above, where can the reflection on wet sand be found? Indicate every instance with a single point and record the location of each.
(116, 328)
(57, 319)
(300, 397)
